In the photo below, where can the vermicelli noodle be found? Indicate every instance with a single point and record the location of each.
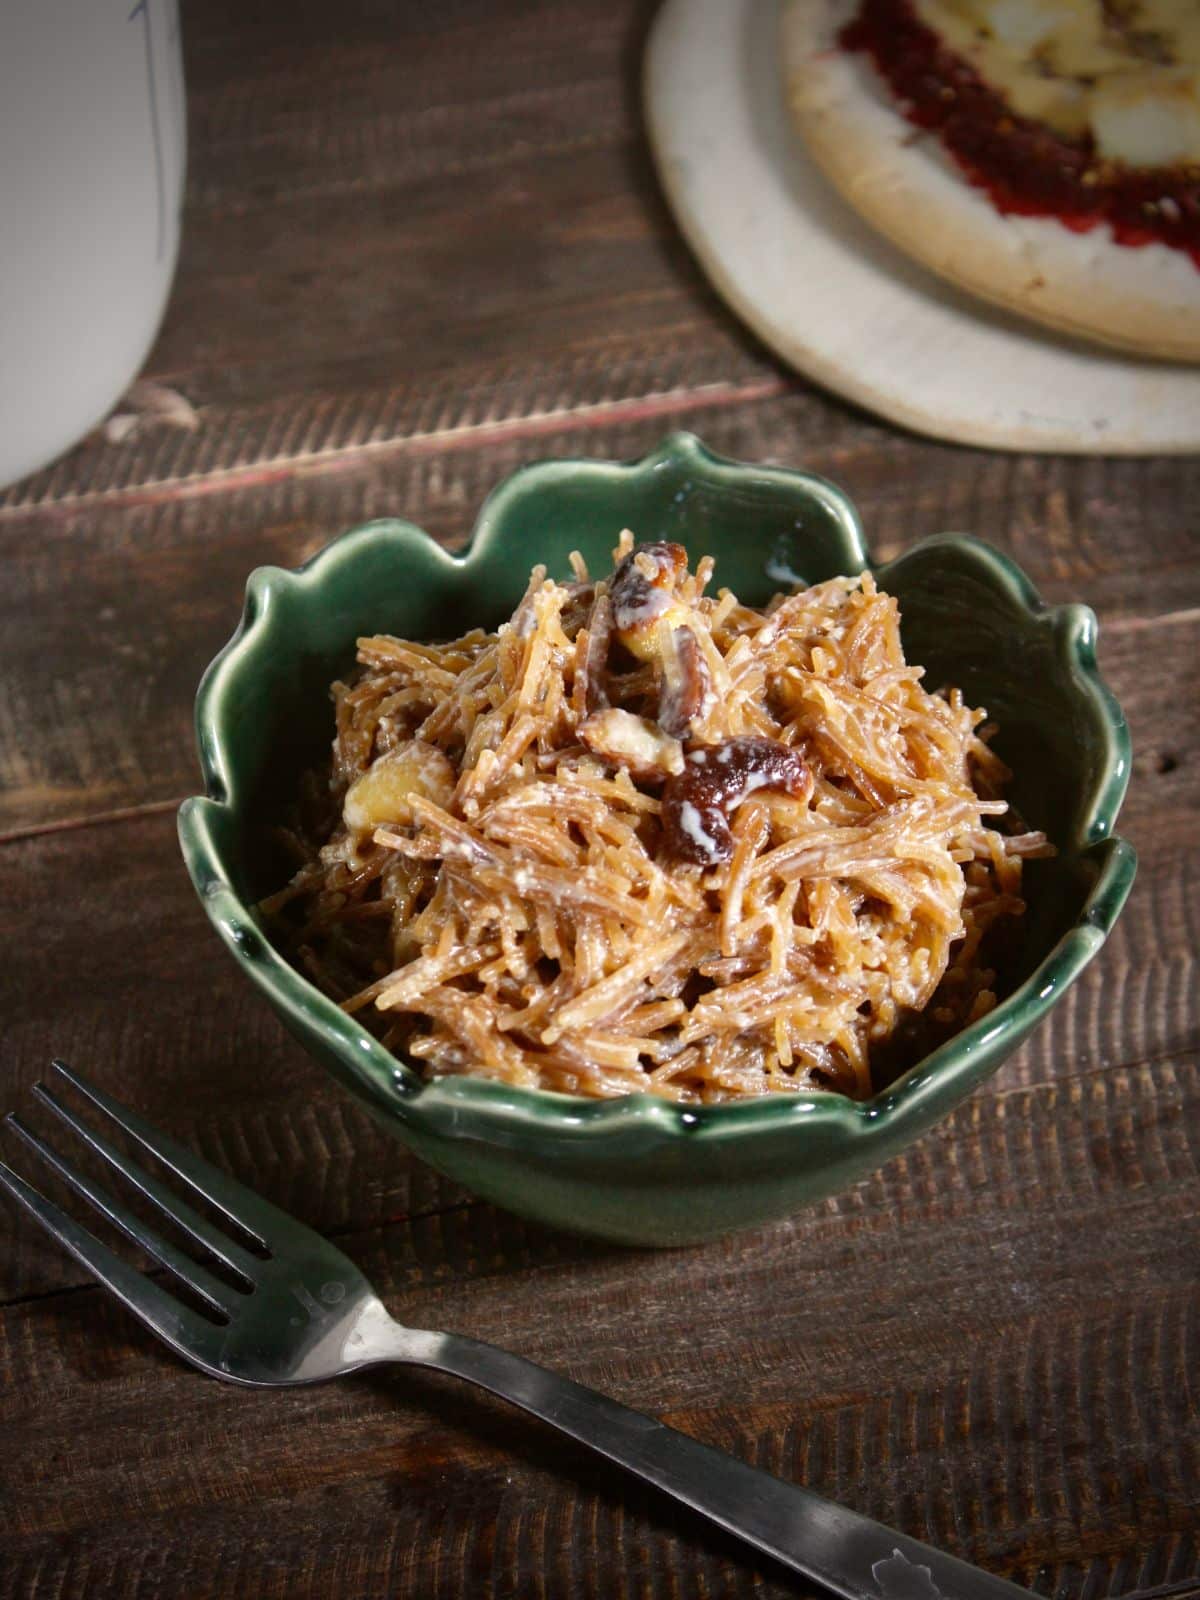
(641, 839)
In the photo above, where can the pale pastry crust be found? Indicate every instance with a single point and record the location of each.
(1145, 298)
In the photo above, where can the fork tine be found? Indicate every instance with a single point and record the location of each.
(271, 1227)
(198, 1228)
(219, 1295)
(231, 1198)
(172, 1321)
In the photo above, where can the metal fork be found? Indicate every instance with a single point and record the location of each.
(299, 1311)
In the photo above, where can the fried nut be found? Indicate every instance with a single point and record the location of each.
(643, 591)
(650, 620)
(647, 753)
(380, 795)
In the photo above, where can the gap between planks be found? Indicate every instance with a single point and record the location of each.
(1138, 624)
(35, 830)
(380, 1224)
(1183, 1590)
(162, 1276)
(339, 458)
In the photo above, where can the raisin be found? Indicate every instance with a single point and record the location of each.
(697, 803)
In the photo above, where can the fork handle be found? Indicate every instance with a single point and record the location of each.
(845, 1552)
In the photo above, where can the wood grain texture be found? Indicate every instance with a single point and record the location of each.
(120, 588)
(111, 612)
(423, 246)
(1037, 1252)
(345, 251)
(144, 966)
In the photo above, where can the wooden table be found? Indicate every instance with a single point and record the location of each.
(423, 244)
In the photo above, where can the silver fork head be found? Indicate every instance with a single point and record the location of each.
(291, 1308)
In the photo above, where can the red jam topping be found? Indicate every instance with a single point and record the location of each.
(1026, 168)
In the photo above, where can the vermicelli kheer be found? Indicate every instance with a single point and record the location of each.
(640, 839)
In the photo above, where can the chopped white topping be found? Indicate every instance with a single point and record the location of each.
(1147, 121)
(1127, 74)
(1024, 24)
(692, 824)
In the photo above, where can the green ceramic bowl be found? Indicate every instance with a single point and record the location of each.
(642, 1170)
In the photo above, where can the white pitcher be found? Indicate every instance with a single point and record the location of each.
(92, 154)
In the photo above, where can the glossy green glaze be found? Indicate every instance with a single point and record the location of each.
(640, 1170)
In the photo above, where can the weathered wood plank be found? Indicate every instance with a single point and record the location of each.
(344, 250)
(133, 951)
(140, 962)
(111, 612)
(305, 449)
(122, 983)
(1035, 1414)
(422, 246)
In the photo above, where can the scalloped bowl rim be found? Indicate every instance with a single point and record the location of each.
(388, 1081)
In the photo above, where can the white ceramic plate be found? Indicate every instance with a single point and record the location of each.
(837, 301)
